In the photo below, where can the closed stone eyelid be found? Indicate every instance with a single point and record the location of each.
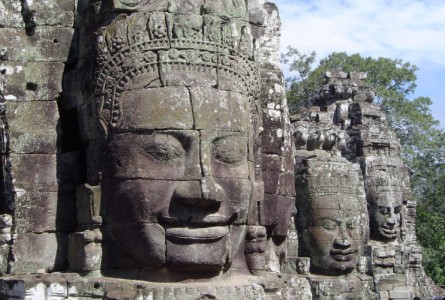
(231, 153)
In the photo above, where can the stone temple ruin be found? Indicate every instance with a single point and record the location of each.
(147, 153)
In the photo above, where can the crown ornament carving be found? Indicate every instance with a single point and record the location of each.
(143, 49)
(327, 176)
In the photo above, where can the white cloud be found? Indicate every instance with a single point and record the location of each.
(411, 30)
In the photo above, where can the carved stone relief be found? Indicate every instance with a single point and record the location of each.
(330, 214)
(170, 118)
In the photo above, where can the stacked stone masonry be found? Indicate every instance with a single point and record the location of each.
(147, 153)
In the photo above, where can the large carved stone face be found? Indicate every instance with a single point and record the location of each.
(332, 240)
(177, 184)
(384, 215)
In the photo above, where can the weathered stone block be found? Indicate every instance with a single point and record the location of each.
(195, 255)
(272, 89)
(272, 141)
(33, 126)
(35, 252)
(88, 203)
(68, 171)
(286, 184)
(186, 67)
(255, 247)
(268, 213)
(44, 211)
(271, 162)
(285, 211)
(271, 181)
(268, 43)
(36, 286)
(32, 80)
(85, 251)
(134, 5)
(4, 254)
(219, 110)
(34, 172)
(10, 14)
(33, 143)
(157, 103)
(120, 249)
(46, 44)
(42, 13)
(257, 13)
(384, 295)
(406, 294)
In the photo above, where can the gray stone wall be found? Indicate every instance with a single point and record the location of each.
(35, 40)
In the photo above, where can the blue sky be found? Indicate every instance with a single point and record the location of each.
(411, 30)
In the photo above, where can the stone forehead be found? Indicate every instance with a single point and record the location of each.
(336, 203)
(184, 108)
(388, 197)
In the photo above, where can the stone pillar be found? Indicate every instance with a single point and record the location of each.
(35, 38)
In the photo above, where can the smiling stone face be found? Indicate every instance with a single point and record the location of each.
(331, 214)
(333, 239)
(386, 186)
(178, 108)
(178, 197)
(385, 215)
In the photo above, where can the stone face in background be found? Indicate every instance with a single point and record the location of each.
(343, 123)
(331, 216)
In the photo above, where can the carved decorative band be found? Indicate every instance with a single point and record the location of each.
(146, 46)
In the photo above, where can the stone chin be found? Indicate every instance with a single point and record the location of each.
(179, 248)
(204, 249)
(335, 263)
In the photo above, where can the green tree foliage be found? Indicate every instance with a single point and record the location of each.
(421, 137)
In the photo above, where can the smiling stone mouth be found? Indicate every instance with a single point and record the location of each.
(343, 255)
(196, 233)
(390, 230)
(209, 220)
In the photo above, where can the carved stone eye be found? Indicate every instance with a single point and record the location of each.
(164, 148)
(384, 210)
(328, 224)
(231, 149)
(398, 209)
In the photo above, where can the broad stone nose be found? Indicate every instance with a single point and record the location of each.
(205, 192)
(187, 192)
(343, 240)
(212, 192)
(391, 221)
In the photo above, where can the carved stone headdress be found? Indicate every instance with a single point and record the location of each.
(328, 178)
(208, 43)
(384, 174)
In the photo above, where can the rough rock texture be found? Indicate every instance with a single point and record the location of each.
(343, 123)
(147, 153)
(35, 39)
